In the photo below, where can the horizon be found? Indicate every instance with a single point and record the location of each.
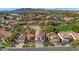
(10, 9)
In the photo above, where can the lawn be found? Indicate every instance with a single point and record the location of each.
(67, 27)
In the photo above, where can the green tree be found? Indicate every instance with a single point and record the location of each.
(75, 28)
(14, 38)
(28, 45)
(48, 23)
(48, 28)
(75, 43)
(6, 44)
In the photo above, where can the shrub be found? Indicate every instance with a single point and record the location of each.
(75, 28)
(6, 44)
(28, 45)
(46, 44)
(75, 43)
(47, 29)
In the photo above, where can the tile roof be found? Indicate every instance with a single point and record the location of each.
(67, 34)
(39, 33)
(5, 33)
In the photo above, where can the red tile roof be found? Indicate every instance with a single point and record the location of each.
(67, 34)
(39, 33)
(5, 33)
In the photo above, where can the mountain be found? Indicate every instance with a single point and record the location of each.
(35, 9)
(28, 9)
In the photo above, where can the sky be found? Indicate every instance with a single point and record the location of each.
(65, 8)
(9, 9)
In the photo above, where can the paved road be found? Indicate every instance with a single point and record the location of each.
(42, 49)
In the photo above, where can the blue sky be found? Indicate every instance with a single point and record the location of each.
(9, 9)
(65, 8)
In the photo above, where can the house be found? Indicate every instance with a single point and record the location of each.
(22, 38)
(68, 18)
(67, 37)
(39, 38)
(4, 34)
(26, 38)
(73, 35)
(64, 37)
(31, 38)
(14, 14)
(53, 39)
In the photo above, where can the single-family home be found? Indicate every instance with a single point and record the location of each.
(39, 38)
(4, 34)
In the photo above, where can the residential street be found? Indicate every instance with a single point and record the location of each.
(42, 49)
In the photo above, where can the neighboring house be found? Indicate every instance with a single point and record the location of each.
(68, 18)
(4, 34)
(14, 14)
(39, 38)
(53, 39)
(26, 38)
(64, 37)
(67, 37)
(73, 35)
(31, 38)
(22, 38)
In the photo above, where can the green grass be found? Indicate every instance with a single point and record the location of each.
(6, 44)
(28, 45)
(62, 27)
(46, 44)
(66, 27)
(47, 29)
(75, 43)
